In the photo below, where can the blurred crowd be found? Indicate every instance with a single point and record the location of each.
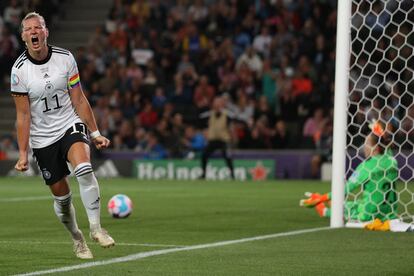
(11, 12)
(11, 46)
(154, 66)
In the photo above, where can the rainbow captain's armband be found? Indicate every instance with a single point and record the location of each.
(74, 81)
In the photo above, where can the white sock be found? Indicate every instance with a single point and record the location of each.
(66, 213)
(89, 191)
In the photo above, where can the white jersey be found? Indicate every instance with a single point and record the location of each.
(47, 85)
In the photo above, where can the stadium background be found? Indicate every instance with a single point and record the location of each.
(149, 68)
(144, 67)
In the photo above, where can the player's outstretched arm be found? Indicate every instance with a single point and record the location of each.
(23, 130)
(313, 199)
(84, 110)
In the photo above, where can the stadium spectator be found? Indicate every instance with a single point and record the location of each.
(118, 39)
(148, 117)
(323, 147)
(126, 135)
(204, 93)
(269, 86)
(218, 135)
(194, 142)
(198, 11)
(252, 60)
(98, 40)
(56, 127)
(176, 147)
(243, 109)
(159, 99)
(281, 138)
(153, 149)
(313, 125)
(260, 137)
(140, 138)
(12, 15)
(8, 50)
(8, 148)
(108, 82)
(262, 41)
(262, 110)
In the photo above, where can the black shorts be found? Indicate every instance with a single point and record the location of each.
(52, 160)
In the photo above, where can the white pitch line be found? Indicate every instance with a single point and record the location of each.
(152, 245)
(28, 198)
(118, 244)
(142, 255)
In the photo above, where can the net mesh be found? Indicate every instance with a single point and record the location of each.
(381, 88)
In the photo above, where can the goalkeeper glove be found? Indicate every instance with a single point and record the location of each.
(313, 199)
(376, 128)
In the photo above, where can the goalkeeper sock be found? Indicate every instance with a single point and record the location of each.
(322, 210)
(66, 213)
(89, 191)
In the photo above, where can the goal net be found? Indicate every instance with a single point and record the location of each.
(381, 87)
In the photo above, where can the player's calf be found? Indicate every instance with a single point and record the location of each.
(322, 210)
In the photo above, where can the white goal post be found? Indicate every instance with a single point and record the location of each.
(343, 37)
(374, 80)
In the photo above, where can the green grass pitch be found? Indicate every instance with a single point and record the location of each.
(174, 214)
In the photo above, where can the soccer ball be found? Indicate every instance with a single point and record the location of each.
(120, 206)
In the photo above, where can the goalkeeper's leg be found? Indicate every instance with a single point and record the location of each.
(323, 210)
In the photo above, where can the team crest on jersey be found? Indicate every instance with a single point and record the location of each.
(14, 79)
(49, 87)
(46, 174)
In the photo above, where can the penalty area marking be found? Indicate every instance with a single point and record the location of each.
(142, 255)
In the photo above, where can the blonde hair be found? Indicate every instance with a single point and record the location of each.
(31, 15)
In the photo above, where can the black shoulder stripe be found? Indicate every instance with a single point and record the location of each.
(54, 48)
(23, 55)
(59, 48)
(60, 52)
(21, 62)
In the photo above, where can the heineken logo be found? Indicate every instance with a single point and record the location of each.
(259, 172)
(191, 170)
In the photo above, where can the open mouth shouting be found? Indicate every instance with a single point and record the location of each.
(35, 42)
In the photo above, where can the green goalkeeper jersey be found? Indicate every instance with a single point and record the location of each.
(376, 176)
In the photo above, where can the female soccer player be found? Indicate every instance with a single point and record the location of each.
(376, 176)
(54, 115)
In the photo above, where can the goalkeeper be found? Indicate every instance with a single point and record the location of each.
(376, 177)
